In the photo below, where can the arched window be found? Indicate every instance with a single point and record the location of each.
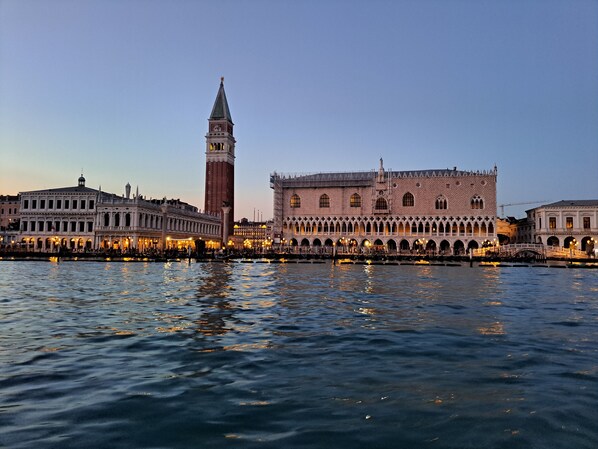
(324, 201)
(106, 219)
(408, 200)
(127, 219)
(441, 202)
(117, 219)
(381, 204)
(355, 200)
(477, 202)
(295, 201)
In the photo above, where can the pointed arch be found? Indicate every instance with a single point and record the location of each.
(295, 201)
(381, 204)
(441, 202)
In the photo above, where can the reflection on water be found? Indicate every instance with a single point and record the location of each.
(297, 355)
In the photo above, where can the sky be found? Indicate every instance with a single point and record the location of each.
(121, 90)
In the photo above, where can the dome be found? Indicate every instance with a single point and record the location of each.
(81, 182)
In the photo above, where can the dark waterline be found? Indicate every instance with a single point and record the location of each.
(297, 356)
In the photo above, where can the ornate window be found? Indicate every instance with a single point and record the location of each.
(295, 201)
(355, 200)
(324, 201)
(381, 204)
(408, 200)
(441, 202)
(477, 202)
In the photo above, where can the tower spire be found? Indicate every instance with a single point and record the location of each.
(220, 111)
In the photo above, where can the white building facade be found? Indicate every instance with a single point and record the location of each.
(571, 224)
(434, 211)
(84, 219)
(142, 225)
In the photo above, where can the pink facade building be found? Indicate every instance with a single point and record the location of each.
(439, 211)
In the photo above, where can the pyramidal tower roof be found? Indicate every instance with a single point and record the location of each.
(220, 110)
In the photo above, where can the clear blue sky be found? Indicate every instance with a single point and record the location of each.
(123, 89)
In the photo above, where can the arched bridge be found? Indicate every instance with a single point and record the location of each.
(537, 250)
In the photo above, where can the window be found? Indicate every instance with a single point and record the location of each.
(586, 222)
(74, 204)
(552, 222)
(25, 204)
(90, 226)
(65, 226)
(295, 201)
(91, 204)
(324, 201)
(127, 220)
(569, 222)
(81, 226)
(50, 204)
(477, 202)
(117, 219)
(32, 226)
(381, 204)
(66, 204)
(42, 204)
(408, 200)
(24, 227)
(106, 219)
(40, 226)
(73, 226)
(34, 204)
(441, 202)
(82, 204)
(58, 204)
(355, 200)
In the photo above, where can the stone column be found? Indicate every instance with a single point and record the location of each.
(164, 209)
(225, 212)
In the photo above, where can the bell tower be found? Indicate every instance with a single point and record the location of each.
(220, 161)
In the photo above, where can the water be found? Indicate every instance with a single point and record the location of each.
(123, 355)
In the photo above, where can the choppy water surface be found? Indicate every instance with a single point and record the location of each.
(123, 355)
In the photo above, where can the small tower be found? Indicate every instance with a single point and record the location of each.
(220, 160)
(81, 181)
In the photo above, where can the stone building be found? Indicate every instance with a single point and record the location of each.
(134, 223)
(436, 211)
(569, 224)
(80, 218)
(254, 235)
(62, 217)
(9, 211)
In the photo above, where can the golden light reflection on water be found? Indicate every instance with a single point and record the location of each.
(242, 347)
(496, 328)
(366, 311)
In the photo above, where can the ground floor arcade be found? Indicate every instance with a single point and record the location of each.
(351, 245)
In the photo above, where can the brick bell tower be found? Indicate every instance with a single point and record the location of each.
(220, 162)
